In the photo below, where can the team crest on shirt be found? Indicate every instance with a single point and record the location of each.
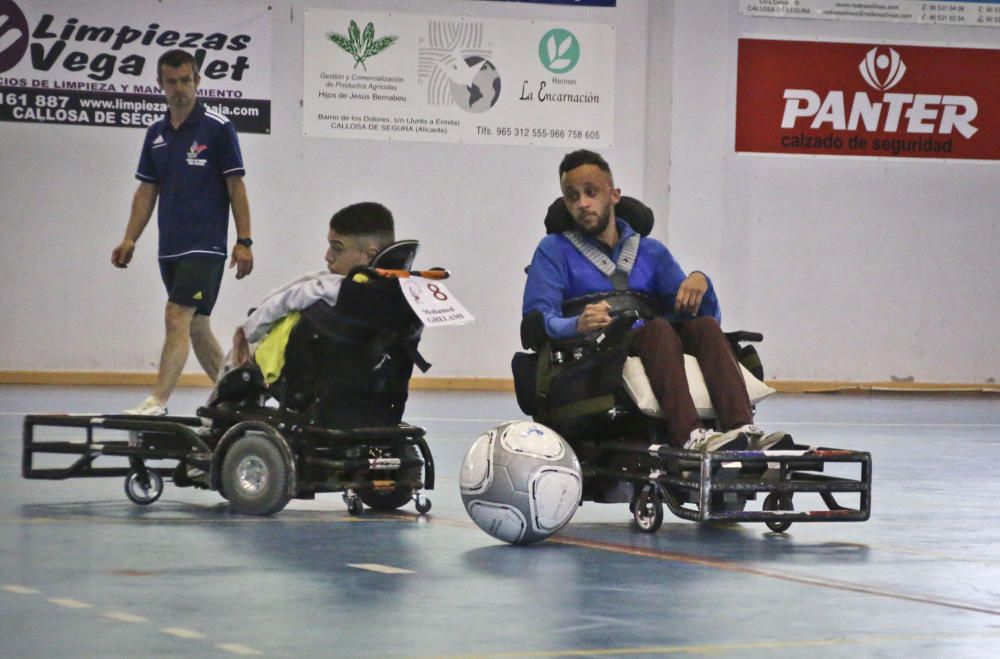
(194, 152)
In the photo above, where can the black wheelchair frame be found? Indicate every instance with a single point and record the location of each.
(622, 451)
(283, 456)
(259, 456)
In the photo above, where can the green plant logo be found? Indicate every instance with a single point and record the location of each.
(361, 45)
(559, 50)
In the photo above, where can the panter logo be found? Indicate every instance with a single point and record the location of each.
(882, 70)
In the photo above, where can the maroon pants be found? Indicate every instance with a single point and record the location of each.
(661, 346)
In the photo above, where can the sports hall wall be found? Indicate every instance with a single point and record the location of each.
(856, 270)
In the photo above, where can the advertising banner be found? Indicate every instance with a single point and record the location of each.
(865, 99)
(389, 76)
(576, 3)
(93, 62)
(977, 13)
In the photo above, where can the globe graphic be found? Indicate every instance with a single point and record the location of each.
(484, 90)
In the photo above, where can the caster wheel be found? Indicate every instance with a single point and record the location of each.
(354, 506)
(647, 510)
(775, 501)
(143, 486)
(422, 504)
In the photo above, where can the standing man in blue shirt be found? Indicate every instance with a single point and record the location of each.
(191, 163)
(604, 257)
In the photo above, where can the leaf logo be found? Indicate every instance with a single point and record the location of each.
(361, 45)
(559, 50)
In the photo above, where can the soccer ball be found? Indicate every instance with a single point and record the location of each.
(521, 482)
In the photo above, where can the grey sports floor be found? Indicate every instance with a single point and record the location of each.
(86, 573)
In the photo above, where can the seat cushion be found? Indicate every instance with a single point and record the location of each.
(637, 386)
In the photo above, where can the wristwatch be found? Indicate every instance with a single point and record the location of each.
(246, 242)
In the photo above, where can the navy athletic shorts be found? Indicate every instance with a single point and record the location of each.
(193, 281)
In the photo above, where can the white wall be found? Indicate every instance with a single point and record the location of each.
(477, 209)
(855, 270)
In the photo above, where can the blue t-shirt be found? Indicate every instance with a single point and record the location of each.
(190, 166)
(559, 272)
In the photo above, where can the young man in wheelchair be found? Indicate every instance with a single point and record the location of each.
(578, 279)
(356, 235)
(359, 372)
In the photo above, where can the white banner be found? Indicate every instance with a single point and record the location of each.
(980, 13)
(433, 303)
(93, 62)
(390, 76)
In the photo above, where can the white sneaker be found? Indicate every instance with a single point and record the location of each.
(775, 441)
(148, 407)
(706, 440)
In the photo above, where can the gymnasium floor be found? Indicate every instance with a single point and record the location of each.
(86, 573)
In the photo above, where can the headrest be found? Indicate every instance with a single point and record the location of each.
(397, 256)
(638, 215)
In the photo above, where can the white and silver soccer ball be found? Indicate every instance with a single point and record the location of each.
(521, 482)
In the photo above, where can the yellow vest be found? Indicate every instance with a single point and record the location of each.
(270, 354)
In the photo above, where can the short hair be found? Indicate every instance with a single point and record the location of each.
(583, 157)
(176, 58)
(366, 219)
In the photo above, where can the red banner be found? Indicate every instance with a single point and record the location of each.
(856, 99)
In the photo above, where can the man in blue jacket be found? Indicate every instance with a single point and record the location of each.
(604, 255)
(191, 163)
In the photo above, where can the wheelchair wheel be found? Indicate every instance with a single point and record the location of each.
(776, 501)
(388, 500)
(143, 486)
(255, 476)
(647, 509)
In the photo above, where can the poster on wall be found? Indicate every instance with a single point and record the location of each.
(93, 62)
(388, 76)
(867, 99)
(575, 3)
(978, 13)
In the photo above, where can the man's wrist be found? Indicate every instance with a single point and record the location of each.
(245, 242)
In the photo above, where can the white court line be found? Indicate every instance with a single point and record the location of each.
(378, 567)
(19, 590)
(236, 648)
(180, 632)
(70, 603)
(883, 425)
(122, 616)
